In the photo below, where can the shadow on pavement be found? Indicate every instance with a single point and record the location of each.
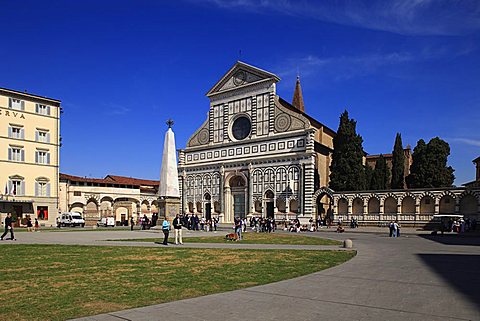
(453, 239)
(460, 271)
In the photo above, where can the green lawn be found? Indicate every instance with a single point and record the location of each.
(250, 238)
(55, 282)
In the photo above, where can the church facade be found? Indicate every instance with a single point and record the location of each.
(255, 154)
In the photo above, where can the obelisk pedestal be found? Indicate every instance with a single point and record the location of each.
(168, 190)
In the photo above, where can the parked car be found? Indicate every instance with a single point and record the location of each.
(106, 221)
(72, 219)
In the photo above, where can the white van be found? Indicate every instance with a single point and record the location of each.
(71, 219)
(106, 221)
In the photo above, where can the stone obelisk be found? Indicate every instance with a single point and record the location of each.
(168, 190)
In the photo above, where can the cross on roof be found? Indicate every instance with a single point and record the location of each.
(169, 123)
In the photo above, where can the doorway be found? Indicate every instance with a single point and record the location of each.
(270, 213)
(239, 205)
(208, 211)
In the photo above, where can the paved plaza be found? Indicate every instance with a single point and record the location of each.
(414, 277)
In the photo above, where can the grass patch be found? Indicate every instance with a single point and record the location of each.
(250, 238)
(56, 282)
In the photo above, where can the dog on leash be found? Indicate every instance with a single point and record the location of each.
(231, 237)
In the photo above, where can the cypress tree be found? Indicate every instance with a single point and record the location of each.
(368, 176)
(429, 168)
(398, 164)
(381, 175)
(347, 172)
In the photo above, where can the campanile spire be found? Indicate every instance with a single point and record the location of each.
(297, 100)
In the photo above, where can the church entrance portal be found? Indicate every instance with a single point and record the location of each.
(239, 205)
(208, 211)
(270, 213)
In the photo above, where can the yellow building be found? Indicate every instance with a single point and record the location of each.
(29, 156)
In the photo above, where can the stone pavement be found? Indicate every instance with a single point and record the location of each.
(414, 277)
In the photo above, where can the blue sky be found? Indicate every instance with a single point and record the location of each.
(121, 68)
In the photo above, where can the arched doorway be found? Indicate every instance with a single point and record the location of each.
(373, 206)
(237, 187)
(269, 204)
(468, 205)
(324, 207)
(208, 206)
(447, 205)
(342, 206)
(357, 206)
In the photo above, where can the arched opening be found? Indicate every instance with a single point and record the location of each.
(373, 205)
(293, 206)
(199, 207)
(447, 205)
(390, 205)
(258, 207)
(216, 207)
(281, 205)
(91, 212)
(324, 207)
(77, 207)
(190, 207)
(427, 205)
(121, 214)
(357, 206)
(342, 206)
(154, 207)
(237, 187)
(408, 205)
(208, 206)
(468, 205)
(269, 196)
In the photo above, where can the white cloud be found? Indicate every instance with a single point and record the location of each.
(467, 141)
(408, 17)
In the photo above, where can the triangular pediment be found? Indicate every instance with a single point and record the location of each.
(239, 76)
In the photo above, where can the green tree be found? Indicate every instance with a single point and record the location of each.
(347, 172)
(398, 164)
(368, 176)
(429, 168)
(381, 174)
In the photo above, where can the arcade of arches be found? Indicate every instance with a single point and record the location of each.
(409, 206)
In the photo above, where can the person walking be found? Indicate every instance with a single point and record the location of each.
(166, 230)
(29, 224)
(8, 227)
(132, 223)
(37, 226)
(177, 227)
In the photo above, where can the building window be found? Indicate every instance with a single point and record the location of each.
(42, 188)
(42, 109)
(263, 112)
(77, 193)
(42, 212)
(16, 104)
(16, 154)
(16, 132)
(16, 187)
(42, 136)
(42, 157)
(218, 123)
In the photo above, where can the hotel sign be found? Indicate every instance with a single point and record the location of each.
(10, 113)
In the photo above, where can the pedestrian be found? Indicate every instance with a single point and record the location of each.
(177, 227)
(29, 224)
(390, 228)
(37, 226)
(132, 223)
(166, 230)
(8, 227)
(396, 233)
(238, 227)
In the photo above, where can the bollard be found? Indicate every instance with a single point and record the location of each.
(348, 244)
